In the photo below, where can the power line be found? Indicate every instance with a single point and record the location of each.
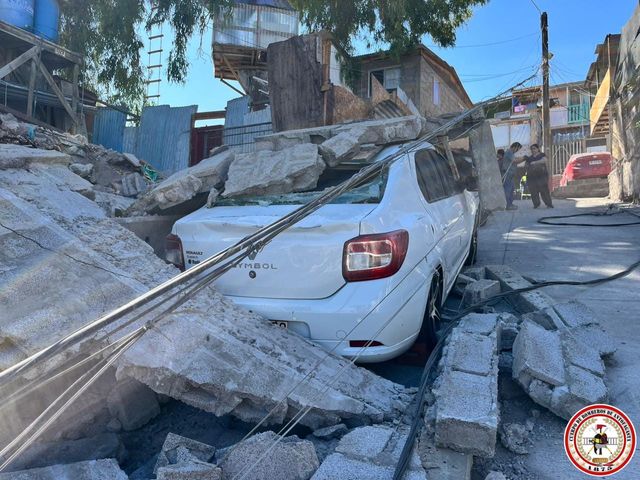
(491, 44)
(536, 5)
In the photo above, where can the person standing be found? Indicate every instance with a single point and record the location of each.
(508, 173)
(538, 177)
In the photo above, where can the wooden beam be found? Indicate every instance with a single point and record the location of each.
(18, 62)
(235, 74)
(215, 115)
(232, 87)
(58, 92)
(32, 86)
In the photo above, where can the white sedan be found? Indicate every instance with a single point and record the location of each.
(364, 275)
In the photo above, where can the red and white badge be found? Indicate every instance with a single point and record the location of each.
(600, 440)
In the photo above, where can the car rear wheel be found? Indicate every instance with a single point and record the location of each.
(432, 315)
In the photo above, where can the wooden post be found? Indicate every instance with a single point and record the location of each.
(32, 86)
(444, 142)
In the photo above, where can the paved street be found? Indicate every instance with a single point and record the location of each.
(577, 253)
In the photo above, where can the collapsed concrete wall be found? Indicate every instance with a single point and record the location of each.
(64, 262)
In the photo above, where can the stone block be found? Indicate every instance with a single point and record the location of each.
(510, 280)
(294, 169)
(480, 323)
(20, 156)
(177, 449)
(477, 273)
(467, 413)
(91, 470)
(290, 138)
(480, 291)
(82, 169)
(596, 336)
(132, 403)
(341, 147)
(133, 185)
(385, 131)
(582, 355)
(537, 353)
(582, 389)
(540, 392)
(509, 328)
(547, 319)
(190, 471)
(338, 466)
(471, 353)
(575, 314)
(169, 193)
(443, 463)
(290, 459)
(365, 442)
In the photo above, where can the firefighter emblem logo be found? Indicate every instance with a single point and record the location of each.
(600, 440)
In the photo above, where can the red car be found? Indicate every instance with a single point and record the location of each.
(587, 165)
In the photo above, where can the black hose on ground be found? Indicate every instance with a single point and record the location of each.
(405, 456)
(608, 213)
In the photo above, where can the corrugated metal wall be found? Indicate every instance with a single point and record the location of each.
(108, 128)
(242, 126)
(164, 136)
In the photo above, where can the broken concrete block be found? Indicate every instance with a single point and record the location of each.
(168, 194)
(537, 353)
(462, 281)
(467, 413)
(541, 318)
(83, 170)
(132, 159)
(365, 442)
(582, 389)
(582, 355)
(290, 138)
(509, 328)
(295, 169)
(113, 205)
(595, 336)
(386, 131)
(480, 291)
(290, 459)
(471, 353)
(19, 156)
(92, 470)
(190, 471)
(133, 185)
(213, 171)
(63, 178)
(489, 179)
(341, 147)
(213, 196)
(477, 273)
(133, 404)
(170, 454)
(442, 463)
(540, 392)
(345, 468)
(510, 280)
(334, 431)
(480, 323)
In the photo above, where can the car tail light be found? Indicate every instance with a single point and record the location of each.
(369, 257)
(173, 251)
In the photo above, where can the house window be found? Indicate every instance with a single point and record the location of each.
(389, 78)
(436, 91)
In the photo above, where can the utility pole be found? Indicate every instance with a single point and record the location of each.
(546, 115)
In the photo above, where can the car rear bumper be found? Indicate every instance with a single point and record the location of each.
(360, 311)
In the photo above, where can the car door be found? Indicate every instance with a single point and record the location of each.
(443, 206)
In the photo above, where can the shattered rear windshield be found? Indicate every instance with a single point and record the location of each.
(368, 192)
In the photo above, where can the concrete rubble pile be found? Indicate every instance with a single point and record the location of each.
(114, 179)
(285, 162)
(555, 351)
(64, 262)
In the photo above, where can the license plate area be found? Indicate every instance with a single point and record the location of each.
(280, 323)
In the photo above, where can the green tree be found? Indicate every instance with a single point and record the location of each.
(106, 32)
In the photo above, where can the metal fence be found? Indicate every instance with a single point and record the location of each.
(561, 153)
(242, 138)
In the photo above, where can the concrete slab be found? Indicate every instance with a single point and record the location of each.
(93, 470)
(537, 353)
(365, 442)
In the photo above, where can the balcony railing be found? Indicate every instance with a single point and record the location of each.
(578, 113)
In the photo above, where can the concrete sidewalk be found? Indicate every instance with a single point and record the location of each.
(578, 253)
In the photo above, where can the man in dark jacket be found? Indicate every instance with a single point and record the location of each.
(508, 171)
(538, 177)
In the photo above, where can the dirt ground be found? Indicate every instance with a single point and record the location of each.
(569, 253)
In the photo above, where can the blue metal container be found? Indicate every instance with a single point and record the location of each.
(47, 14)
(18, 13)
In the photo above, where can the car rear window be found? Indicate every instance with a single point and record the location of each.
(371, 191)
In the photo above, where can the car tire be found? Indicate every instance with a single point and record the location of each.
(432, 316)
(472, 257)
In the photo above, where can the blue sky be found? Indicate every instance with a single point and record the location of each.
(575, 28)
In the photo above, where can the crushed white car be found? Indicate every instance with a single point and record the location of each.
(364, 275)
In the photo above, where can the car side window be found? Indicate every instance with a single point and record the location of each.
(429, 179)
(448, 180)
